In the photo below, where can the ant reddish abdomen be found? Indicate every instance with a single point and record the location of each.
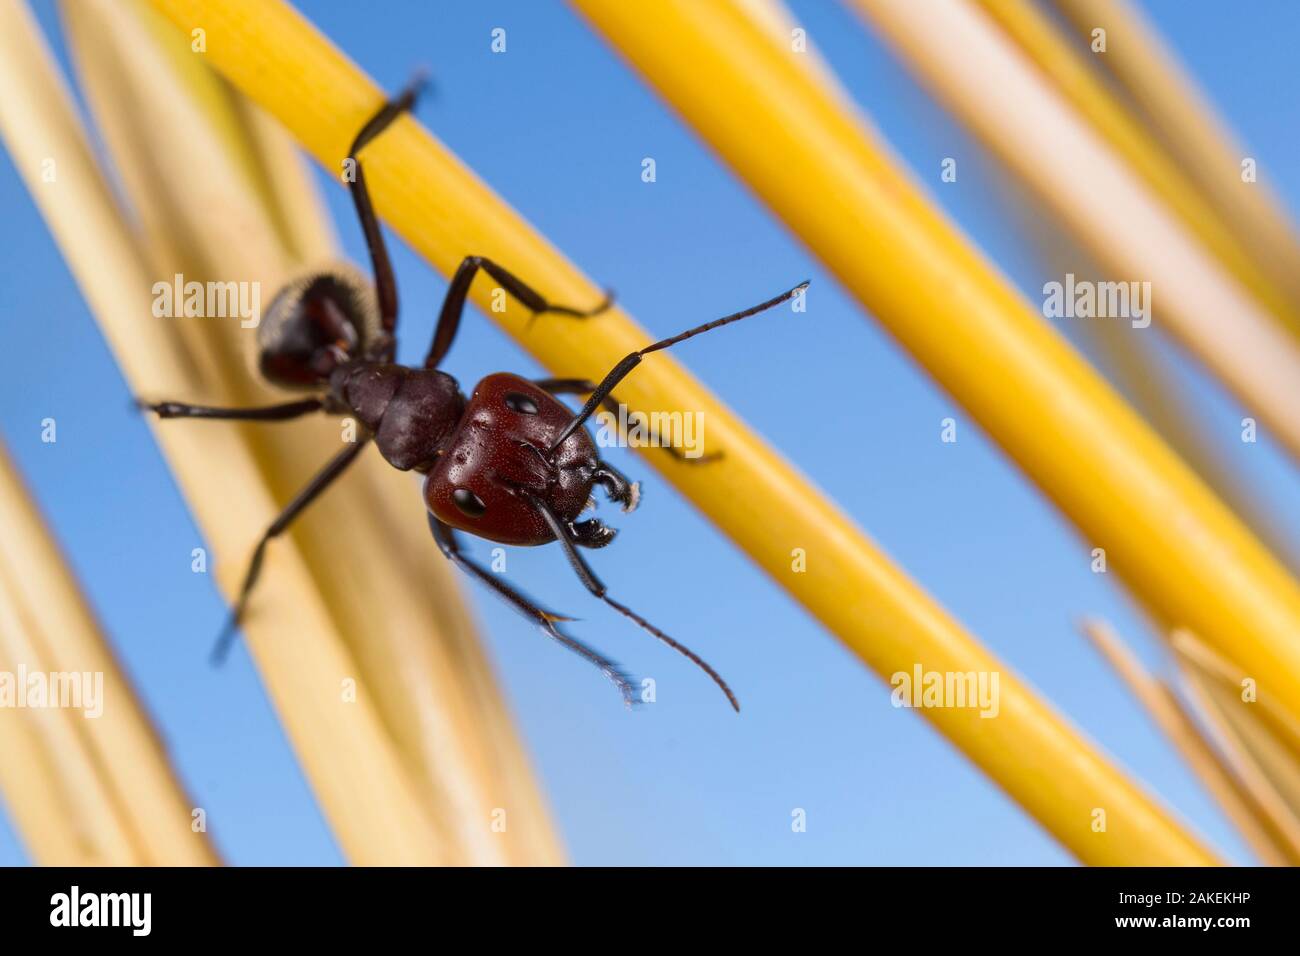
(512, 465)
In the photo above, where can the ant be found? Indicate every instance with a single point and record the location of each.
(511, 464)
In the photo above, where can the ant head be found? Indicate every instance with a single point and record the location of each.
(314, 324)
(498, 462)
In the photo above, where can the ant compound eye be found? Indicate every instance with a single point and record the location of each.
(521, 404)
(468, 502)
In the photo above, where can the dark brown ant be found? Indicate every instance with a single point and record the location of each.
(512, 464)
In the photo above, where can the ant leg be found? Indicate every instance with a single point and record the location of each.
(597, 587)
(324, 478)
(385, 283)
(445, 535)
(584, 386)
(450, 547)
(458, 291)
(268, 413)
(623, 368)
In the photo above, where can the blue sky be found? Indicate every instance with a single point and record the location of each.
(558, 127)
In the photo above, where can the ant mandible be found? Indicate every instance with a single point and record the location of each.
(512, 464)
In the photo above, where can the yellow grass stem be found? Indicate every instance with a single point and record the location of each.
(393, 599)
(113, 762)
(445, 212)
(1173, 542)
(1167, 713)
(1075, 79)
(1177, 109)
(977, 71)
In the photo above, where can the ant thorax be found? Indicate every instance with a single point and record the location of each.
(412, 412)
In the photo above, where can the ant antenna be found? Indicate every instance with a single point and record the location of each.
(623, 368)
(597, 587)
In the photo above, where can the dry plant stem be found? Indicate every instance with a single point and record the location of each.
(1236, 743)
(107, 780)
(1265, 731)
(978, 72)
(32, 794)
(1197, 654)
(393, 598)
(1166, 712)
(1151, 74)
(345, 752)
(1163, 531)
(444, 212)
(65, 769)
(1267, 753)
(132, 765)
(1231, 794)
(1072, 76)
(306, 231)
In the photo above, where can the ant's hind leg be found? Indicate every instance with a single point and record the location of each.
(453, 306)
(324, 478)
(450, 547)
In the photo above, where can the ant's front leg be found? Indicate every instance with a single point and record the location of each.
(445, 536)
(453, 306)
